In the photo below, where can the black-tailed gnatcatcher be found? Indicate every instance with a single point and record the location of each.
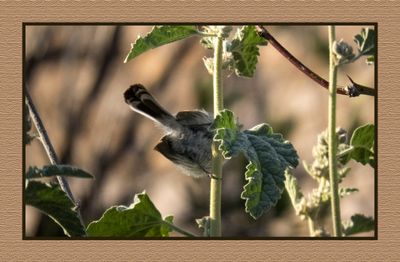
(188, 138)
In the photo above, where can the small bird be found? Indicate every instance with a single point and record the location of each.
(188, 137)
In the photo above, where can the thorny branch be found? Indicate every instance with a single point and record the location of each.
(352, 90)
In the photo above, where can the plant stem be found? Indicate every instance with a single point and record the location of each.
(311, 227)
(216, 180)
(178, 229)
(263, 32)
(332, 140)
(48, 147)
(345, 152)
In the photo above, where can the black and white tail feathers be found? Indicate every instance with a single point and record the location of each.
(141, 101)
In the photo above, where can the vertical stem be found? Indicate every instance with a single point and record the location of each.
(311, 227)
(216, 180)
(332, 140)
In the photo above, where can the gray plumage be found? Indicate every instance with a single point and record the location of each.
(188, 139)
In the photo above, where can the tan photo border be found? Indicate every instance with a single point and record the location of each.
(14, 13)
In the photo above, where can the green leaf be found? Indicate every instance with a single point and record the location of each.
(56, 170)
(165, 229)
(52, 201)
(160, 35)
(345, 191)
(140, 219)
(244, 48)
(366, 41)
(362, 142)
(293, 189)
(225, 120)
(268, 154)
(359, 223)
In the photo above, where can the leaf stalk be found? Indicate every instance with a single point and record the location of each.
(178, 229)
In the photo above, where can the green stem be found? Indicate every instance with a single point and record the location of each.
(346, 151)
(178, 229)
(311, 227)
(332, 141)
(216, 178)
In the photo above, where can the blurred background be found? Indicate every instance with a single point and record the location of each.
(76, 77)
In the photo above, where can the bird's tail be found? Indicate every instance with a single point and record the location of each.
(141, 101)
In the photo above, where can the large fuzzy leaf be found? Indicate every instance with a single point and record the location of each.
(269, 155)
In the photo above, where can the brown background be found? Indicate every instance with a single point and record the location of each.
(12, 16)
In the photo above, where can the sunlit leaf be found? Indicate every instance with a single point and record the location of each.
(140, 219)
(160, 35)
